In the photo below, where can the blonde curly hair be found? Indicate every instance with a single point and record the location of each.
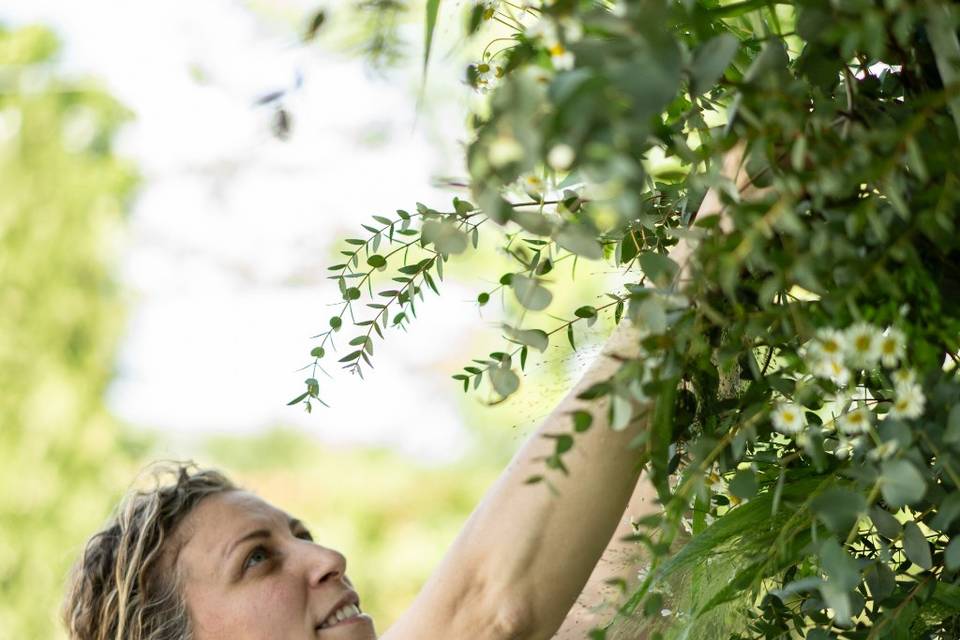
(125, 585)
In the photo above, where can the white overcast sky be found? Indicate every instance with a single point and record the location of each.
(231, 234)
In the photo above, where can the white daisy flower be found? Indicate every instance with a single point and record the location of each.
(561, 57)
(533, 185)
(893, 346)
(862, 342)
(854, 422)
(832, 369)
(788, 418)
(561, 156)
(884, 451)
(829, 343)
(843, 450)
(489, 8)
(909, 401)
(903, 376)
(846, 447)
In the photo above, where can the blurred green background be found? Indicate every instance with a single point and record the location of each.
(65, 202)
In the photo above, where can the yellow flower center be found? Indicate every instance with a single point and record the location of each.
(556, 50)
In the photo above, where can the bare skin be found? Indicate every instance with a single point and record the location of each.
(251, 572)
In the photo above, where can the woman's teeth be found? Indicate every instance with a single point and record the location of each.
(346, 611)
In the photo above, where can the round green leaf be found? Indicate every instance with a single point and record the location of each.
(530, 293)
(901, 483)
(839, 508)
(377, 261)
(504, 380)
(915, 545)
(744, 484)
(710, 62)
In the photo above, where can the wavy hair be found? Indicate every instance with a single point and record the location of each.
(125, 586)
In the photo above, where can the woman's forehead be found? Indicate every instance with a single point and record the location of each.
(238, 507)
(221, 517)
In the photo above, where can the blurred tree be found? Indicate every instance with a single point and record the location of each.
(61, 213)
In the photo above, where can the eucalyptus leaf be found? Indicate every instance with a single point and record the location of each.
(901, 483)
(530, 293)
(839, 508)
(444, 236)
(504, 381)
(579, 240)
(915, 545)
(710, 61)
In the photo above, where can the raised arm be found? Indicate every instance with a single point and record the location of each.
(525, 554)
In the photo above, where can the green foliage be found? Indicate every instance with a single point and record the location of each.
(62, 204)
(806, 419)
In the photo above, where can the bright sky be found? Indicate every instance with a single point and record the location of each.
(233, 229)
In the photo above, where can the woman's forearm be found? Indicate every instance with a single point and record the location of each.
(538, 548)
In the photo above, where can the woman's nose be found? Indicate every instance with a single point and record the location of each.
(324, 564)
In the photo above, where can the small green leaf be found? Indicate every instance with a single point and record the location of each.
(432, 9)
(530, 293)
(710, 61)
(901, 483)
(564, 444)
(842, 578)
(658, 267)
(377, 261)
(504, 380)
(744, 484)
(532, 337)
(887, 526)
(951, 554)
(586, 312)
(352, 293)
(582, 420)
(317, 352)
(299, 398)
(444, 236)
(483, 298)
(578, 239)
(952, 434)
(947, 512)
(839, 508)
(462, 207)
(915, 545)
(336, 322)
(314, 25)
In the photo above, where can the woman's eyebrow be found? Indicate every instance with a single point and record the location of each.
(259, 533)
(296, 523)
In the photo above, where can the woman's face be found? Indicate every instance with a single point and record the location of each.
(251, 572)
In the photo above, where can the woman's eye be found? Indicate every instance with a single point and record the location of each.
(258, 555)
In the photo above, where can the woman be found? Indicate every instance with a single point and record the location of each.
(200, 559)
